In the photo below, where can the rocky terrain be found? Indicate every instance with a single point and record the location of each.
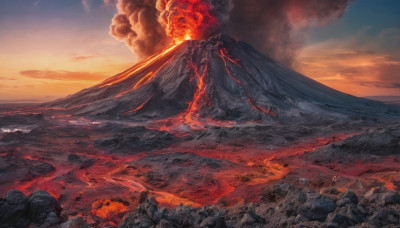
(280, 205)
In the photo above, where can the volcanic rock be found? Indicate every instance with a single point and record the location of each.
(380, 141)
(348, 215)
(13, 209)
(317, 208)
(385, 217)
(41, 169)
(137, 139)
(391, 198)
(20, 119)
(382, 196)
(40, 208)
(371, 144)
(76, 222)
(348, 197)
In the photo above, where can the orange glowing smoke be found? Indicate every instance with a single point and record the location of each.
(186, 19)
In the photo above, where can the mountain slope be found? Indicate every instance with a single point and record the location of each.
(214, 80)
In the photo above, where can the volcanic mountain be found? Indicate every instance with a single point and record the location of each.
(218, 80)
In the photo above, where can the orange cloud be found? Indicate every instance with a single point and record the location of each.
(83, 57)
(354, 66)
(6, 78)
(62, 75)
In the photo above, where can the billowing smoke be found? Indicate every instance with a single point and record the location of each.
(277, 27)
(137, 24)
(193, 19)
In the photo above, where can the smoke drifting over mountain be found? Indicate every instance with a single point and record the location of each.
(276, 27)
(137, 24)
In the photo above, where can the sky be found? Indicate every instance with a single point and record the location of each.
(53, 48)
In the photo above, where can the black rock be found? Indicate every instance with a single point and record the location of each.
(73, 157)
(42, 205)
(347, 216)
(137, 139)
(41, 169)
(391, 198)
(317, 208)
(385, 217)
(76, 222)
(13, 209)
(87, 163)
(40, 208)
(348, 197)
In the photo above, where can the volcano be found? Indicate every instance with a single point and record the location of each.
(212, 124)
(218, 80)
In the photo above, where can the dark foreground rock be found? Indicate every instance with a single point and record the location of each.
(282, 205)
(39, 208)
(76, 222)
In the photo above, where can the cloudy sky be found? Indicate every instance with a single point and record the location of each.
(52, 48)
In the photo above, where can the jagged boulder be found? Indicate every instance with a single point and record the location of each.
(43, 206)
(76, 222)
(18, 210)
(13, 209)
(317, 208)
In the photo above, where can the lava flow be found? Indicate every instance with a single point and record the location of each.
(141, 66)
(200, 95)
(250, 99)
(138, 107)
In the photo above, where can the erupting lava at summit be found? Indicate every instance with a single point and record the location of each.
(187, 19)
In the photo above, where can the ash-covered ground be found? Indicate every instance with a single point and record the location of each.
(99, 173)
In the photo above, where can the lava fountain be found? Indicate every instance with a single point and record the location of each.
(187, 19)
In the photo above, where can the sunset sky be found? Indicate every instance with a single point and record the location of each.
(52, 48)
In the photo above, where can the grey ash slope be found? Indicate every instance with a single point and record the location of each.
(240, 84)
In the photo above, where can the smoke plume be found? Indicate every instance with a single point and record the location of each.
(137, 24)
(276, 27)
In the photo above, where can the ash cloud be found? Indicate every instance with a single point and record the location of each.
(136, 23)
(276, 27)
